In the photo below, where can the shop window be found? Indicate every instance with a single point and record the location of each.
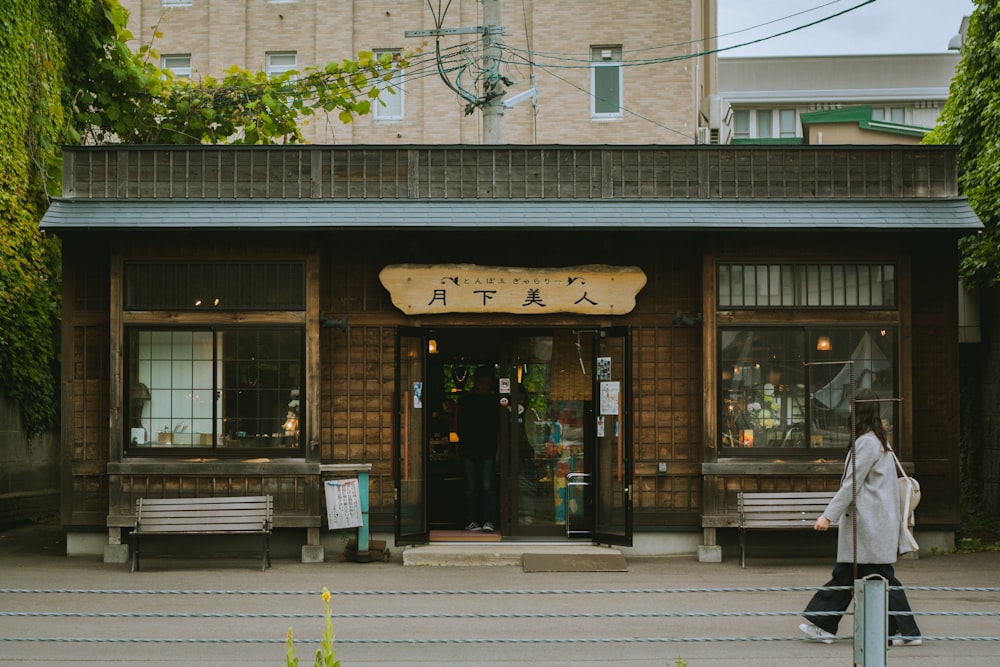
(606, 82)
(222, 389)
(205, 286)
(790, 388)
(807, 286)
(230, 384)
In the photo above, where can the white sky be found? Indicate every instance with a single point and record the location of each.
(883, 26)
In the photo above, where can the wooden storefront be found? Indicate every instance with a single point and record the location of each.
(749, 254)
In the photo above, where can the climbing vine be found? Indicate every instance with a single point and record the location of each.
(67, 75)
(33, 79)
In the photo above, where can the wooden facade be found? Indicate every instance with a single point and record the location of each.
(682, 480)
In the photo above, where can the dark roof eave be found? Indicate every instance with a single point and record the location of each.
(945, 214)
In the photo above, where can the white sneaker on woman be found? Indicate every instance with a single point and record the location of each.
(817, 633)
(900, 640)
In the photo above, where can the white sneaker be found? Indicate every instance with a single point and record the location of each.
(816, 633)
(473, 526)
(900, 640)
(488, 527)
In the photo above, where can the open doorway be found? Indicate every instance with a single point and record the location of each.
(562, 463)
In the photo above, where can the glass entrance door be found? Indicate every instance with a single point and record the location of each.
(411, 438)
(613, 450)
(545, 466)
(563, 451)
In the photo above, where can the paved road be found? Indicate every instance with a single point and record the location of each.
(387, 614)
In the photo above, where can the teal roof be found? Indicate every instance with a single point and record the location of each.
(862, 115)
(479, 214)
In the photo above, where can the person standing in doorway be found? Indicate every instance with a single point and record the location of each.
(874, 508)
(478, 423)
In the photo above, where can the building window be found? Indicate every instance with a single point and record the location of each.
(748, 286)
(606, 82)
(389, 105)
(790, 388)
(280, 62)
(764, 129)
(178, 63)
(741, 124)
(207, 286)
(225, 385)
(786, 120)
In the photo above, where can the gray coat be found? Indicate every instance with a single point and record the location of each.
(879, 527)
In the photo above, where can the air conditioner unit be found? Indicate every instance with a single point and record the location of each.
(704, 135)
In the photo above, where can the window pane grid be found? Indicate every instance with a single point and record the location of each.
(207, 286)
(219, 388)
(806, 286)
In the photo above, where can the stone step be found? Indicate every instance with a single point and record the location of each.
(495, 553)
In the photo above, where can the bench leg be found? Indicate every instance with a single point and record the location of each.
(266, 563)
(135, 552)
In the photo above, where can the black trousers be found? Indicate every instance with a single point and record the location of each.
(843, 575)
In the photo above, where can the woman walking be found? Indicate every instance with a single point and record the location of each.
(879, 530)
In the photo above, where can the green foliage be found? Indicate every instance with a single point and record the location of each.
(124, 97)
(971, 120)
(34, 39)
(326, 656)
(111, 94)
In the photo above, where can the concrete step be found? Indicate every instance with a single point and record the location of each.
(494, 553)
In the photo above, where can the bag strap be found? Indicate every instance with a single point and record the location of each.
(898, 464)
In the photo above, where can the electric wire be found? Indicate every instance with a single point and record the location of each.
(457, 60)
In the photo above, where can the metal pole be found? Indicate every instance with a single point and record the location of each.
(493, 86)
(853, 419)
(871, 621)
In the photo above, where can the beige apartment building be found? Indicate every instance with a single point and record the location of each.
(576, 71)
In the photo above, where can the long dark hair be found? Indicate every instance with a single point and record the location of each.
(868, 416)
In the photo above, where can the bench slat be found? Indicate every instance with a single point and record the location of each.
(779, 510)
(263, 500)
(237, 515)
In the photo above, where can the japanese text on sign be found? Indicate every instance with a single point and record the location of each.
(468, 288)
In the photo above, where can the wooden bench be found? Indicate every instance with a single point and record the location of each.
(779, 510)
(241, 515)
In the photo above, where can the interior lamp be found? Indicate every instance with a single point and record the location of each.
(823, 344)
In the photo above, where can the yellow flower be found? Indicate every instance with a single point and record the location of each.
(326, 594)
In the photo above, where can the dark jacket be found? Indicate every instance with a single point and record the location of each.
(478, 425)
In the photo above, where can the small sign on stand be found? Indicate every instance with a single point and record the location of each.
(343, 503)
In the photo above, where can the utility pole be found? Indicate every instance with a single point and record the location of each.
(492, 83)
(493, 86)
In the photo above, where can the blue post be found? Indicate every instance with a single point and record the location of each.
(363, 530)
(362, 471)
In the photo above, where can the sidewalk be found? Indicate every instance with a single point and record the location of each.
(456, 616)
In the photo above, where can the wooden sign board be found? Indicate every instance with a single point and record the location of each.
(593, 289)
